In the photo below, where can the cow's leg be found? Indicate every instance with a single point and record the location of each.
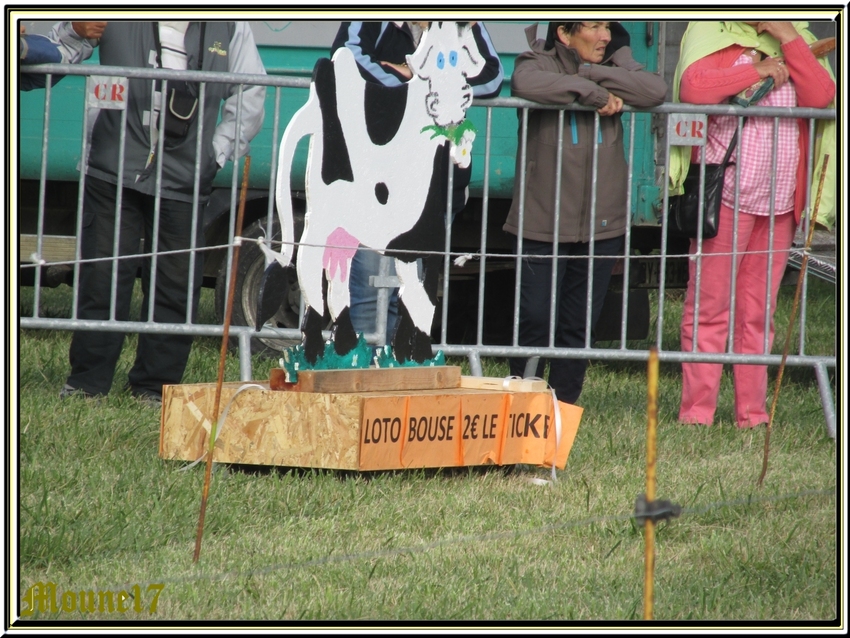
(344, 337)
(311, 335)
(309, 266)
(272, 285)
(412, 340)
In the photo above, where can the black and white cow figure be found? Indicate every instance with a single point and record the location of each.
(377, 177)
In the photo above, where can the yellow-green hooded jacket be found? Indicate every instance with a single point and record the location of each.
(704, 38)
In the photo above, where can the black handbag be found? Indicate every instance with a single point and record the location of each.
(181, 105)
(683, 210)
(181, 102)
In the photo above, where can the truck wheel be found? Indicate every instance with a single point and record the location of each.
(249, 274)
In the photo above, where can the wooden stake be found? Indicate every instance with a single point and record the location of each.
(788, 335)
(649, 525)
(222, 358)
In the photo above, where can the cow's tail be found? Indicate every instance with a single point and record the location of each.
(306, 121)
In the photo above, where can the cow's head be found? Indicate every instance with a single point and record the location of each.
(446, 56)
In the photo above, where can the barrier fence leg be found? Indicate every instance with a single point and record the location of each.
(826, 398)
(475, 364)
(245, 356)
(531, 367)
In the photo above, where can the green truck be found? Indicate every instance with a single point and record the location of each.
(290, 48)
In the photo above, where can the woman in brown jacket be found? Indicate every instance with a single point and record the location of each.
(589, 63)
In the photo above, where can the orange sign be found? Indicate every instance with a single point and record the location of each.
(570, 418)
(382, 433)
(433, 433)
(526, 427)
(483, 419)
(470, 429)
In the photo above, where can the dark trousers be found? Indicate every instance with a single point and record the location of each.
(566, 376)
(160, 359)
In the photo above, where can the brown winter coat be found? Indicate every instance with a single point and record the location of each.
(558, 76)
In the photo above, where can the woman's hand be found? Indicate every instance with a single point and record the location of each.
(782, 31)
(774, 68)
(614, 106)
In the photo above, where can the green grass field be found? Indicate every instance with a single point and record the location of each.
(99, 511)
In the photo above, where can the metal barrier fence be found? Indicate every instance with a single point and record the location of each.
(474, 352)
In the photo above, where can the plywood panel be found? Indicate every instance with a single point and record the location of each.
(263, 427)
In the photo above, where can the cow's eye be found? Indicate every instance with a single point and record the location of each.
(441, 60)
(453, 58)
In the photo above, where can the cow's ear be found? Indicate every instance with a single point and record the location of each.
(420, 61)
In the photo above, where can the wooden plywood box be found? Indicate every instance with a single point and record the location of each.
(367, 430)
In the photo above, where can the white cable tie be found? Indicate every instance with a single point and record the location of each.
(506, 382)
(557, 433)
(237, 241)
(460, 260)
(220, 425)
(36, 258)
(193, 463)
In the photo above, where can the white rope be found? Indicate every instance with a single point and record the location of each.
(557, 432)
(220, 425)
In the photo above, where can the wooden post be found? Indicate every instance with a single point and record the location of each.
(224, 339)
(790, 332)
(651, 425)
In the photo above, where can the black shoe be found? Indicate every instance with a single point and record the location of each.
(148, 398)
(69, 391)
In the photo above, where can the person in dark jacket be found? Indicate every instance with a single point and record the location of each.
(380, 49)
(143, 189)
(587, 63)
(36, 49)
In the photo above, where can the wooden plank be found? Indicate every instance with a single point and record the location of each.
(369, 379)
(503, 384)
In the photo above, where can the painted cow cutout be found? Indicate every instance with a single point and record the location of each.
(376, 176)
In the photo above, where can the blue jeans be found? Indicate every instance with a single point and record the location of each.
(364, 297)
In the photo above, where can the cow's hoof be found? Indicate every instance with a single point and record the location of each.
(410, 342)
(311, 335)
(344, 337)
(421, 350)
(414, 345)
(403, 339)
(273, 286)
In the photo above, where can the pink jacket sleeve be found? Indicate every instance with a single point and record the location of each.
(814, 88)
(713, 79)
